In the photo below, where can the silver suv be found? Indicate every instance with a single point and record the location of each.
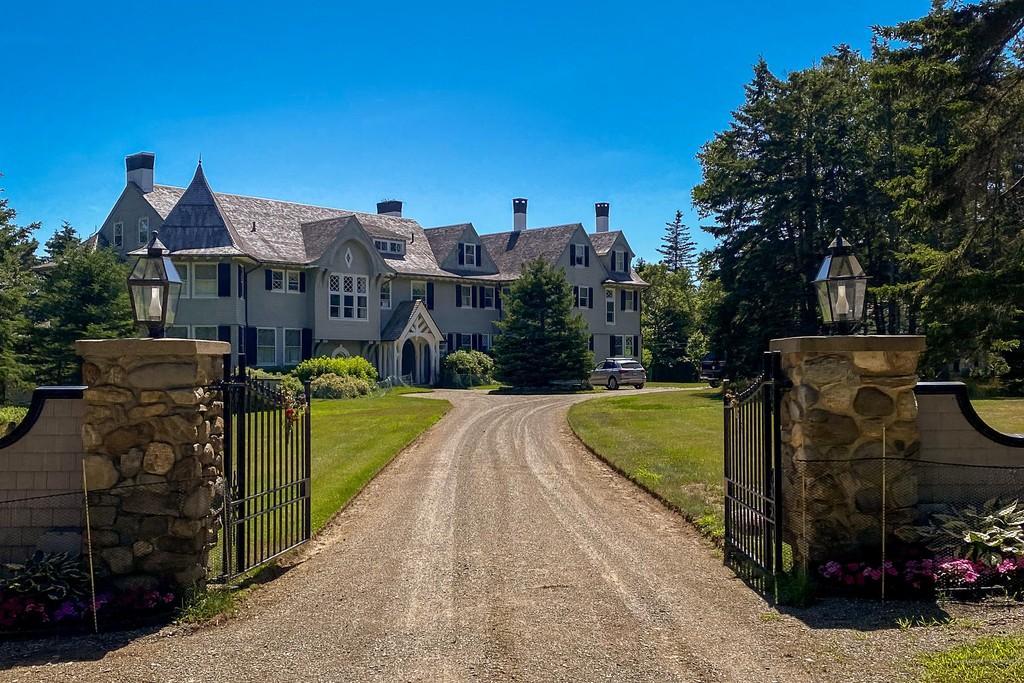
(617, 371)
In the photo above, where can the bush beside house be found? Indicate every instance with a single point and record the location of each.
(467, 368)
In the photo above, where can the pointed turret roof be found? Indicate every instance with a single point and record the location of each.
(197, 222)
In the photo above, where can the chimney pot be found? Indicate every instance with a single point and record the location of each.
(390, 207)
(519, 214)
(139, 170)
(601, 216)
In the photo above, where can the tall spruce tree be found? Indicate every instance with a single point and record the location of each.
(667, 320)
(62, 240)
(542, 339)
(678, 248)
(17, 282)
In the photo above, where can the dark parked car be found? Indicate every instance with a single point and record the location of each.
(712, 369)
(614, 372)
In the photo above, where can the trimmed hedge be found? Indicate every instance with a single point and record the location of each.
(339, 386)
(285, 382)
(473, 363)
(356, 366)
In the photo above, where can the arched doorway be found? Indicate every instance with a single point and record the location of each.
(408, 358)
(426, 364)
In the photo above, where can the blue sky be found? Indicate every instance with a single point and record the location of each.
(454, 108)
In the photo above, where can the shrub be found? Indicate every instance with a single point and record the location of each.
(287, 383)
(469, 363)
(984, 535)
(339, 386)
(356, 366)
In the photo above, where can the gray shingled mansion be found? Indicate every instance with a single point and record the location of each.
(284, 281)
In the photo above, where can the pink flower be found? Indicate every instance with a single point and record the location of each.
(1006, 566)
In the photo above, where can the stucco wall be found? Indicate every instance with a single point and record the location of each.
(41, 478)
(952, 432)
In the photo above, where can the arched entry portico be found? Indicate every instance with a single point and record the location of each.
(411, 343)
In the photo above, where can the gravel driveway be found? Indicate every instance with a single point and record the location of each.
(495, 548)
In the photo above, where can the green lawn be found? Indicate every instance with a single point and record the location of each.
(670, 443)
(353, 439)
(997, 659)
(1004, 414)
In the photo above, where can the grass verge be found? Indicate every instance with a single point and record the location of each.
(354, 439)
(996, 659)
(1003, 414)
(669, 443)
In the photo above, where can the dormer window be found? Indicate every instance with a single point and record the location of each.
(118, 234)
(579, 256)
(469, 254)
(144, 230)
(392, 247)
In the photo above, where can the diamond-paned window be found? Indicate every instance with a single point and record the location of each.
(348, 298)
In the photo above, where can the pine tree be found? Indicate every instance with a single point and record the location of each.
(62, 240)
(677, 246)
(82, 296)
(17, 280)
(542, 339)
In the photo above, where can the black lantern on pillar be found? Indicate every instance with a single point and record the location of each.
(154, 286)
(841, 286)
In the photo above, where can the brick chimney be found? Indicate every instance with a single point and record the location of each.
(519, 214)
(601, 211)
(390, 207)
(139, 168)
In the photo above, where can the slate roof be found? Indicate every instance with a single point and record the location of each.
(399, 319)
(603, 241)
(511, 250)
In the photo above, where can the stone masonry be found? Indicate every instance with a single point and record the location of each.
(845, 389)
(153, 439)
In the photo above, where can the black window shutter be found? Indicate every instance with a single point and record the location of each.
(636, 345)
(590, 304)
(474, 342)
(616, 344)
(636, 300)
(590, 343)
(478, 248)
(430, 296)
(223, 279)
(474, 296)
(586, 256)
(462, 254)
(451, 342)
(250, 345)
(241, 282)
(497, 298)
(613, 261)
(572, 254)
(302, 282)
(622, 300)
(224, 333)
(458, 296)
(576, 296)
(269, 277)
(307, 343)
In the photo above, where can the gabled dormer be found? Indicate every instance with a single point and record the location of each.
(459, 249)
(615, 253)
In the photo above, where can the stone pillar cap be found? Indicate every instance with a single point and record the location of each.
(114, 348)
(849, 343)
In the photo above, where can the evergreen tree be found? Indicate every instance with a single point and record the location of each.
(61, 241)
(17, 282)
(83, 295)
(678, 249)
(667, 320)
(542, 339)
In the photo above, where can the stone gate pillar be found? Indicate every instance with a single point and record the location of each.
(153, 438)
(845, 389)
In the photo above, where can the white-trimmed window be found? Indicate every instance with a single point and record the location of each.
(609, 306)
(464, 341)
(626, 344)
(469, 253)
(276, 280)
(205, 332)
(292, 346)
(628, 306)
(186, 280)
(385, 295)
(466, 292)
(176, 331)
(144, 230)
(583, 296)
(418, 289)
(389, 246)
(266, 346)
(485, 342)
(119, 234)
(348, 296)
(204, 280)
(580, 255)
(294, 281)
(487, 297)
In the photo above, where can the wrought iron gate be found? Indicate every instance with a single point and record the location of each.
(266, 509)
(753, 477)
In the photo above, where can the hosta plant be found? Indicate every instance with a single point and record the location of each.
(984, 535)
(48, 576)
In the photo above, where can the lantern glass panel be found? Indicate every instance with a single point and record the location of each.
(173, 292)
(824, 305)
(148, 301)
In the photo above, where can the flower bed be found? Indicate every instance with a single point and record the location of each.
(925, 577)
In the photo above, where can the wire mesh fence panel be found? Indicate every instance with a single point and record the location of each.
(52, 523)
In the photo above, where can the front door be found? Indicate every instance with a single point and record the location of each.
(408, 358)
(427, 366)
